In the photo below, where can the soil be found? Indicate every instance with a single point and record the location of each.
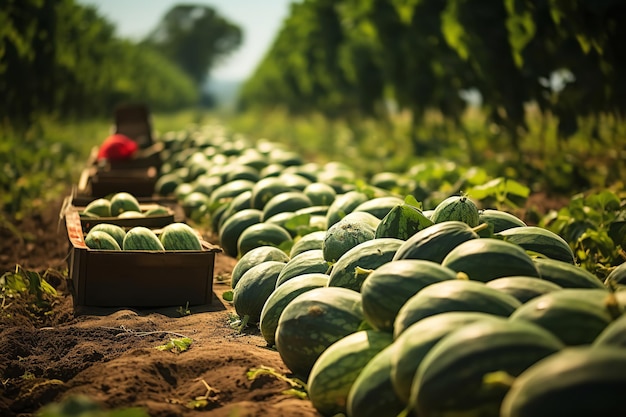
(108, 356)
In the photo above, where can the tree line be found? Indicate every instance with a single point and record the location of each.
(353, 57)
(58, 57)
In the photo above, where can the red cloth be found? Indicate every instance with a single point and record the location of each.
(117, 147)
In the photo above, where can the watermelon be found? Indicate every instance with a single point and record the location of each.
(320, 193)
(338, 366)
(485, 259)
(254, 288)
(389, 286)
(433, 243)
(499, 220)
(226, 192)
(312, 322)
(238, 203)
(566, 275)
(343, 205)
(130, 214)
(306, 263)
(310, 241)
(100, 207)
(614, 334)
(266, 188)
(141, 238)
(283, 295)
(402, 222)
(379, 206)
(233, 227)
(523, 288)
(459, 208)
(582, 381)
(418, 339)
(288, 201)
(123, 201)
(255, 257)
(576, 316)
(112, 229)
(539, 240)
(346, 234)
(180, 236)
(617, 275)
(374, 382)
(459, 375)
(351, 270)
(453, 295)
(262, 234)
(98, 239)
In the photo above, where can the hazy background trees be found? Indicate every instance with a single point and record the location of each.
(61, 58)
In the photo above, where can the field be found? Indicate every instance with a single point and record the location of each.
(109, 358)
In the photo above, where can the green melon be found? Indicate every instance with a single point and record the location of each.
(339, 365)
(283, 295)
(98, 239)
(180, 236)
(122, 202)
(254, 288)
(229, 190)
(100, 207)
(255, 257)
(566, 275)
(351, 270)
(262, 234)
(485, 259)
(234, 226)
(112, 229)
(320, 193)
(617, 275)
(141, 238)
(523, 288)
(312, 322)
(402, 222)
(433, 243)
(500, 220)
(459, 376)
(540, 240)
(614, 334)
(576, 316)
(453, 295)
(266, 188)
(237, 204)
(418, 339)
(310, 241)
(157, 211)
(195, 205)
(372, 393)
(379, 206)
(130, 214)
(583, 381)
(459, 208)
(288, 201)
(389, 286)
(311, 261)
(343, 205)
(346, 234)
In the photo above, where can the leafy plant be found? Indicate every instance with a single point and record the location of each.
(29, 284)
(502, 192)
(298, 387)
(595, 228)
(176, 344)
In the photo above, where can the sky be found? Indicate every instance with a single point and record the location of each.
(259, 19)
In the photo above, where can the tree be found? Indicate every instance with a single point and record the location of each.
(195, 37)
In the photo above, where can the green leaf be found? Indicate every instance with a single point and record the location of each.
(228, 296)
(178, 345)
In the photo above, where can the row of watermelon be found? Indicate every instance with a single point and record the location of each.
(384, 308)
